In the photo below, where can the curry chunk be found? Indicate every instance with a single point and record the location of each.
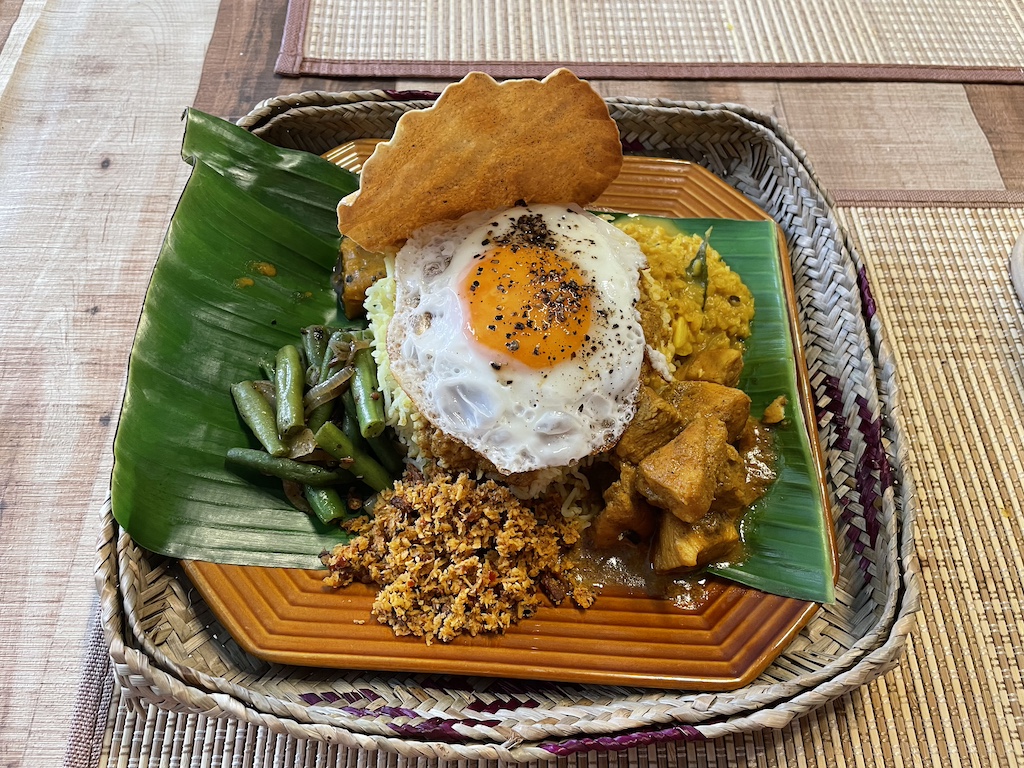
(699, 400)
(682, 546)
(735, 491)
(775, 412)
(359, 269)
(682, 476)
(720, 366)
(748, 471)
(656, 422)
(626, 514)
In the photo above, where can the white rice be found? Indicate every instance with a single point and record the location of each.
(399, 410)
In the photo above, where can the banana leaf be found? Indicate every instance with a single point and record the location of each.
(245, 264)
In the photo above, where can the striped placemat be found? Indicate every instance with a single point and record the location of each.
(942, 40)
(938, 273)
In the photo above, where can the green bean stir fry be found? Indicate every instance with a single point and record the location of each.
(319, 417)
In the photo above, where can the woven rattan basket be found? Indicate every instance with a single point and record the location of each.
(168, 649)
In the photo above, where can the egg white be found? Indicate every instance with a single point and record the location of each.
(520, 418)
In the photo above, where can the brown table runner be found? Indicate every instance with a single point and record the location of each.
(941, 40)
(938, 271)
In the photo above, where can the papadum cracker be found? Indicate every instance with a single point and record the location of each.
(485, 145)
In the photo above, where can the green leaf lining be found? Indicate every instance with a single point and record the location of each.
(210, 314)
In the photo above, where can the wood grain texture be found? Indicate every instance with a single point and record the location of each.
(890, 135)
(90, 150)
(9, 12)
(239, 68)
(859, 135)
(759, 95)
(18, 20)
(999, 111)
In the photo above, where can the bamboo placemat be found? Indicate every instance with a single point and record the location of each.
(939, 278)
(943, 40)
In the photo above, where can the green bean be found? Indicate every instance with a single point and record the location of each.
(287, 469)
(337, 443)
(350, 422)
(326, 503)
(289, 380)
(369, 402)
(257, 413)
(314, 345)
(331, 364)
(320, 415)
(267, 366)
(382, 446)
(386, 453)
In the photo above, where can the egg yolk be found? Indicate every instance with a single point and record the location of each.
(529, 303)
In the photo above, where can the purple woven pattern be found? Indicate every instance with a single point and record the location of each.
(624, 741)
(523, 720)
(412, 95)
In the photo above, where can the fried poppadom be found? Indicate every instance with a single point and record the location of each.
(485, 145)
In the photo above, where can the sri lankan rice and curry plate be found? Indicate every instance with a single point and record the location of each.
(559, 384)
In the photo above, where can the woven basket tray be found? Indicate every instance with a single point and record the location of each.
(169, 650)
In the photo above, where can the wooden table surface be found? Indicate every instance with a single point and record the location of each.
(91, 95)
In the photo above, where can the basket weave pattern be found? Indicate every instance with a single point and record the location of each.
(169, 650)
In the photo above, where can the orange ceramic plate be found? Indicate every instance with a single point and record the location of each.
(720, 641)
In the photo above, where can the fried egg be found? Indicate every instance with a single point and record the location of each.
(517, 333)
